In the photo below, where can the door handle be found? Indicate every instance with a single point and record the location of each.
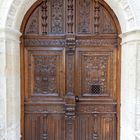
(76, 98)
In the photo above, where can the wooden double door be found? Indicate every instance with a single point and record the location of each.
(70, 72)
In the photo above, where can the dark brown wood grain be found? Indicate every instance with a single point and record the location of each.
(70, 49)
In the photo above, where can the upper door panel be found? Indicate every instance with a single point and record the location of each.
(96, 73)
(60, 17)
(44, 73)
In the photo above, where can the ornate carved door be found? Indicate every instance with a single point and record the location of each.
(70, 71)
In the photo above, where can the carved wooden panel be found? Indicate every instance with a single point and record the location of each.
(83, 127)
(57, 17)
(42, 129)
(96, 127)
(70, 14)
(106, 24)
(95, 72)
(48, 18)
(43, 72)
(32, 26)
(35, 125)
(108, 127)
(80, 41)
(95, 108)
(44, 17)
(49, 109)
(63, 17)
(56, 127)
(84, 17)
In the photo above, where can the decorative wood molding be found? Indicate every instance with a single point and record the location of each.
(49, 109)
(70, 64)
(44, 42)
(95, 127)
(70, 16)
(45, 131)
(70, 118)
(96, 108)
(44, 17)
(96, 16)
(84, 16)
(71, 43)
(57, 17)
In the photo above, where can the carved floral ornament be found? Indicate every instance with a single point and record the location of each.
(89, 17)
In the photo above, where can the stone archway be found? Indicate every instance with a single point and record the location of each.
(10, 68)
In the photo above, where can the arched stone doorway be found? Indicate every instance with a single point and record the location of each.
(10, 71)
(70, 60)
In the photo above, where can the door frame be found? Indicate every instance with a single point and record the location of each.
(22, 77)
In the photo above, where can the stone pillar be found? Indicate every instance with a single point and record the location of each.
(9, 84)
(3, 96)
(138, 92)
(129, 76)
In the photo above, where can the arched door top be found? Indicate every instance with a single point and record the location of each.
(60, 17)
